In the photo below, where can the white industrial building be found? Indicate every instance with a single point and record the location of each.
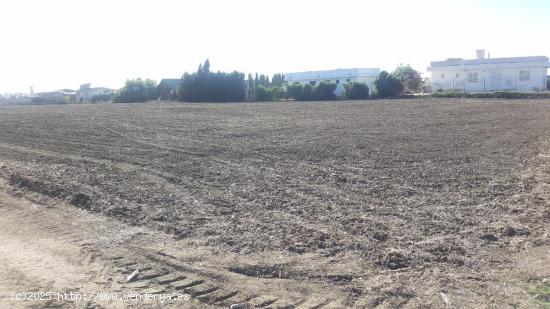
(486, 74)
(338, 76)
(86, 93)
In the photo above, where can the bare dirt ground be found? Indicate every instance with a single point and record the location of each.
(389, 204)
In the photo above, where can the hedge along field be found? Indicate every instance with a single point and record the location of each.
(397, 200)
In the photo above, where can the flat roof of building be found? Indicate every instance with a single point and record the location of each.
(542, 60)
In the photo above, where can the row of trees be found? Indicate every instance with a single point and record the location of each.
(260, 89)
(206, 86)
(136, 91)
(305, 92)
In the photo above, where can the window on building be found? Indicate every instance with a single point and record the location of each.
(524, 75)
(442, 75)
(457, 75)
(472, 77)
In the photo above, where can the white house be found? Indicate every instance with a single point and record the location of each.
(338, 76)
(86, 93)
(486, 74)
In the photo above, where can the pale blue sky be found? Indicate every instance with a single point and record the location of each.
(64, 43)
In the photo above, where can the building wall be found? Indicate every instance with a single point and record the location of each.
(86, 95)
(489, 79)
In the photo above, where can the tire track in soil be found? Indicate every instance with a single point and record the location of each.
(64, 249)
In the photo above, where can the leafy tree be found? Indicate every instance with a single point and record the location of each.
(299, 92)
(411, 79)
(307, 93)
(256, 81)
(137, 90)
(205, 68)
(250, 88)
(295, 91)
(264, 81)
(388, 85)
(324, 91)
(273, 89)
(278, 79)
(205, 86)
(356, 91)
(278, 93)
(263, 94)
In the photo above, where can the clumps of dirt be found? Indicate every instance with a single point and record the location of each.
(380, 235)
(394, 260)
(260, 271)
(117, 211)
(339, 278)
(511, 231)
(299, 248)
(488, 237)
(392, 297)
(339, 178)
(81, 200)
(30, 184)
(450, 251)
(366, 227)
(286, 271)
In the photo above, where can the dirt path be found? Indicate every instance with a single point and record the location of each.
(47, 250)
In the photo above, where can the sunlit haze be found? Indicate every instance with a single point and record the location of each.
(62, 44)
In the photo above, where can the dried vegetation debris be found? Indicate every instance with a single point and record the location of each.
(390, 185)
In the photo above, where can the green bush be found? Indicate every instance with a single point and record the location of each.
(450, 94)
(299, 92)
(137, 90)
(411, 79)
(324, 91)
(277, 93)
(295, 91)
(388, 85)
(263, 94)
(356, 91)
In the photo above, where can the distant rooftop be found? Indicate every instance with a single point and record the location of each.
(511, 60)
